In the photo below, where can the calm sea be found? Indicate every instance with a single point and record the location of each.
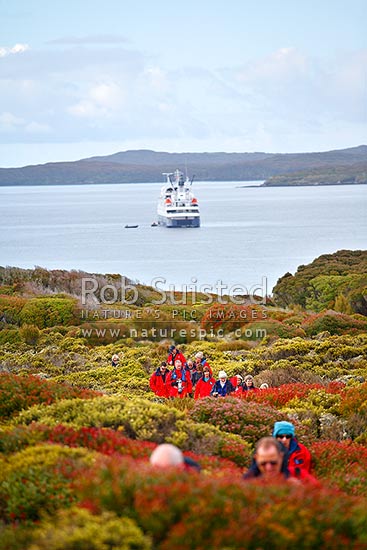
(247, 233)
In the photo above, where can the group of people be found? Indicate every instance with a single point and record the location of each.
(194, 378)
(280, 456)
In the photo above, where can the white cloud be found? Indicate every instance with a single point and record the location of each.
(101, 100)
(284, 100)
(17, 48)
(8, 121)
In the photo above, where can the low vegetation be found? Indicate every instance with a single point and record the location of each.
(76, 432)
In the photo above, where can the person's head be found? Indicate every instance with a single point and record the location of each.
(206, 372)
(264, 386)
(199, 357)
(171, 349)
(190, 363)
(178, 364)
(166, 455)
(269, 457)
(163, 366)
(115, 357)
(239, 379)
(222, 376)
(249, 380)
(283, 431)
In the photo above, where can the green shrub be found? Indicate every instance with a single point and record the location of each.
(334, 323)
(30, 334)
(37, 480)
(11, 307)
(48, 312)
(78, 529)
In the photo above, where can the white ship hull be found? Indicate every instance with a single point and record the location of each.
(177, 206)
(186, 221)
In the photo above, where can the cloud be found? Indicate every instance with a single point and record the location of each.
(98, 90)
(17, 48)
(91, 39)
(9, 122)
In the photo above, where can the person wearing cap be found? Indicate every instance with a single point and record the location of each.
(298, 456)
(173, 354)
(178, 381)
(157, 381)
(205, 384)
(223, 386)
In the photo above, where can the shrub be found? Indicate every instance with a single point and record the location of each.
(18, 393)
(10, 308)
(250, 420)
(11, 336)
(30, 334)
(342, 465)
(48, 312)
(77, 529)
(190, 511)
(334, 323)
(38, 479)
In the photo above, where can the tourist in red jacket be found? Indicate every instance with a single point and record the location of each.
(270, 463)
(158, 380)
(178, 381)
(205, 383)
(298, 456)
(174, 354)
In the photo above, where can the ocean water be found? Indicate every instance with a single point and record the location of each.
(250, 236)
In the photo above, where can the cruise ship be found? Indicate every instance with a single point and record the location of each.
(177, 206)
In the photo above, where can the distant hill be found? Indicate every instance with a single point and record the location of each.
(147, 166)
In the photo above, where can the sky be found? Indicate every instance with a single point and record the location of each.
(84, 77)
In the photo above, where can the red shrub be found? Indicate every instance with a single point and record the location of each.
(342, 465)
(21, 392)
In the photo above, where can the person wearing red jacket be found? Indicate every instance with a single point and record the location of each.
(157, 381)
(270, 463)
(298, 456)
(178, 381)
(205, 383)
(173, 355)
(237, 382)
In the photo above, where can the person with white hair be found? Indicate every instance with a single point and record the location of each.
(200, 360)
(223, 386)
(115, 360)
(167, 455)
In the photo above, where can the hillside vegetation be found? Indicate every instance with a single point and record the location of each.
(76, 432)
(340, 166)
(332, 281)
